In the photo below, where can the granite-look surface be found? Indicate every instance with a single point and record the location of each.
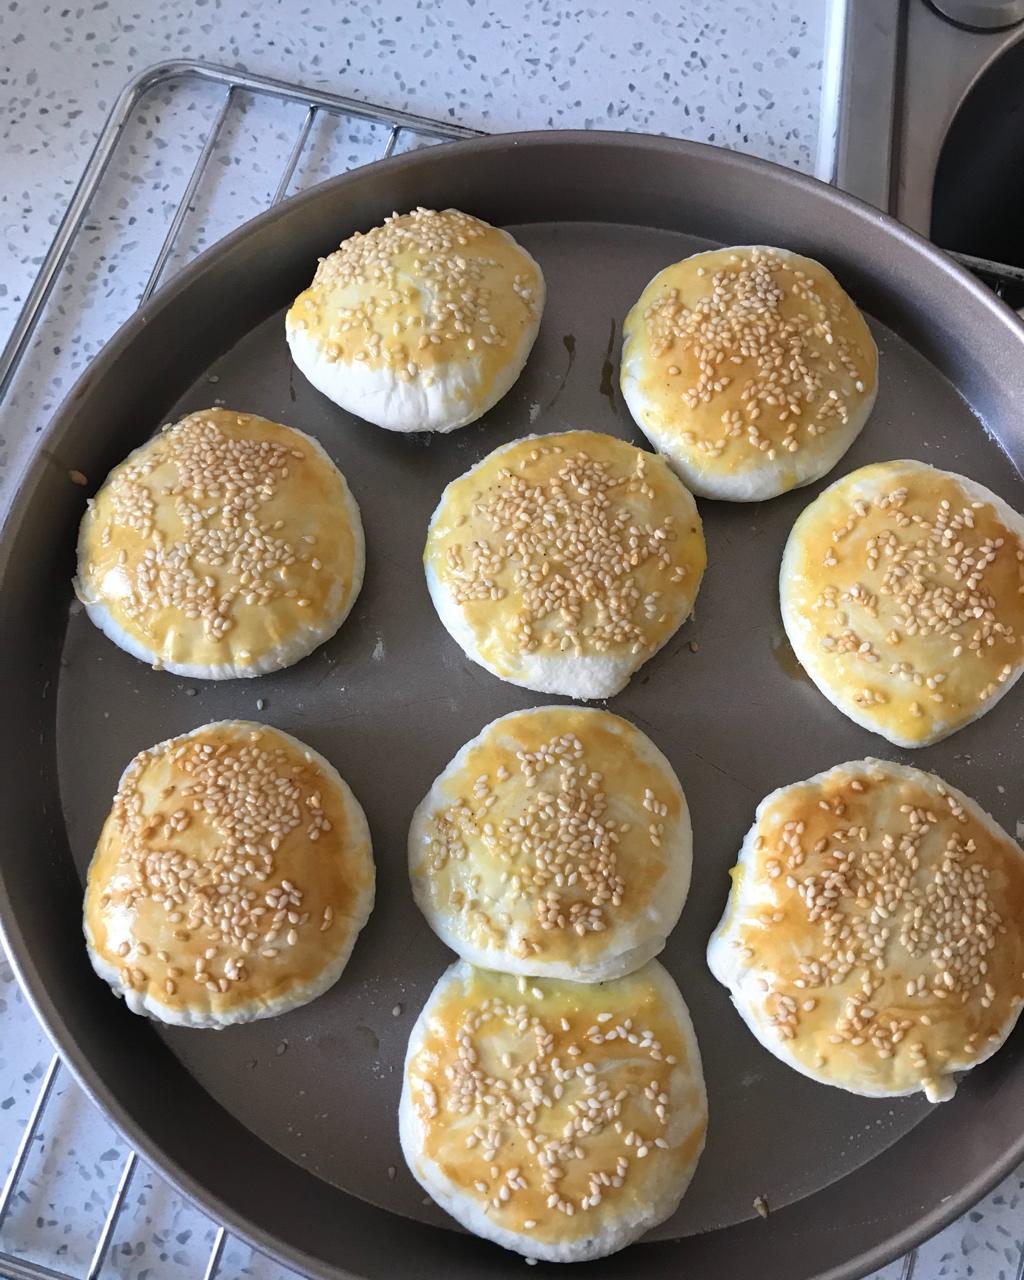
(746, 75)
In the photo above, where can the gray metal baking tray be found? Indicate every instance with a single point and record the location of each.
(286, 1129)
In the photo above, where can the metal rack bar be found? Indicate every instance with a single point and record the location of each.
(392, 139)
(21, 1154)
(216, 1253)
(110, 1221)
(120, 116)
(12, 1268)
(1001, 271)
(296, 154)
(71, 223)
(185, 203)
(234, 83)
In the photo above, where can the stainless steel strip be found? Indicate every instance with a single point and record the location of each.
(296, 153)
(21, 1154)
(866, 106)
(110, 1222)
(938, 64)
(830, 101)
(185, 203)
(216, 1253)
(909, 1264)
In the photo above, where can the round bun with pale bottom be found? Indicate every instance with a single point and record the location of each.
(872, 937)
(561, 563)
(422, 323)
(556, 843)
(902, 593)
(225, 546)
(750, 369)
(230, 880)
(558, 1120)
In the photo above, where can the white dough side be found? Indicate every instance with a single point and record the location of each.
(746, 901)
(584, 678)
(457, 396)
(298, 646)
(791, 620)
(707, 479)
(628, 948)
(613, 1234)
(755, 485)
(148, 1003)
(607, 969)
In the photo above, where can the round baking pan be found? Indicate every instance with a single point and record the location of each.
(286, 1130)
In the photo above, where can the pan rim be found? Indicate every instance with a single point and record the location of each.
(20, 950)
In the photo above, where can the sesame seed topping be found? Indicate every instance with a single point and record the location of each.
(211, 831)
(523, 854)
(916, 615)
(540, 1133)
(420, 289)
(179, 544)
(575, 543)
(764, 354)
(894, 913)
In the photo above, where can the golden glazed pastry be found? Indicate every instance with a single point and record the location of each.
(559, 1120)
(872, 937)
(230, 880)
(225, 546)
(563, 562)
(750, 369)
(557, 843)
(421, 324)
(902, 592)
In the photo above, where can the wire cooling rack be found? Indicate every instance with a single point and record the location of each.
(383, 132)
(238, 91)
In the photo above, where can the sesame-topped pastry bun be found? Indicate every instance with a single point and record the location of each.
(422, 323)
(556, 843)
(225, 546)
(872, 937)
(230, 880)
(562, 563)
(902, 591)
(559, 1120)
(750, 369)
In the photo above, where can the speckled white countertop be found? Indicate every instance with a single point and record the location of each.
(745, 75)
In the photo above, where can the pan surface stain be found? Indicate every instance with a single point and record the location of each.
(569, 342)
(787, 661)
(369, 1035)
(607, 384)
